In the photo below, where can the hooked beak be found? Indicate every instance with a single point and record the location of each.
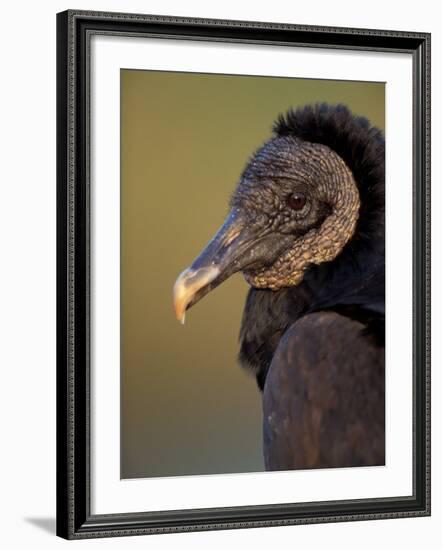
(219, 260)
(237, 246)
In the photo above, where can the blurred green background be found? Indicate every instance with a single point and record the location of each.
(186, 405)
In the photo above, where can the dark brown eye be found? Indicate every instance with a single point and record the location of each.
(297, 200)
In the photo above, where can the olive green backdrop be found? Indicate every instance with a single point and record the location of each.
(187, 407)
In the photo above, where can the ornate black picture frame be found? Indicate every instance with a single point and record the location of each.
(74, 31)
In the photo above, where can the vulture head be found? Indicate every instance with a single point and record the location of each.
(297, 204)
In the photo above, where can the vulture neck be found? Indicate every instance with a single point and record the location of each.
(355, 278)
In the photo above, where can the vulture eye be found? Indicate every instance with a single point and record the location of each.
(297, 201)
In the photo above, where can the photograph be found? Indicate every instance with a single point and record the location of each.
(243, 307)
(283, 366)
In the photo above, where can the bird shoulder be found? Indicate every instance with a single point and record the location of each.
(323, 399)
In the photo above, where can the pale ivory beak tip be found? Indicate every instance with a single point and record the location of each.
(180, 298)
(187, 285)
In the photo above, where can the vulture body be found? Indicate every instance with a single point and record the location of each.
(306, 228)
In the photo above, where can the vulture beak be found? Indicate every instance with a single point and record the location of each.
(222, 257)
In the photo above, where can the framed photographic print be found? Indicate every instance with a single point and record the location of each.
(243, 274)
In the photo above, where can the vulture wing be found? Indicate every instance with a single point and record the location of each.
(323, 400)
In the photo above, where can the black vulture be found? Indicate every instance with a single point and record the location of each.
(306, 229)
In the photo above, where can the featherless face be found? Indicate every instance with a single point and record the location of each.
(296, 204)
